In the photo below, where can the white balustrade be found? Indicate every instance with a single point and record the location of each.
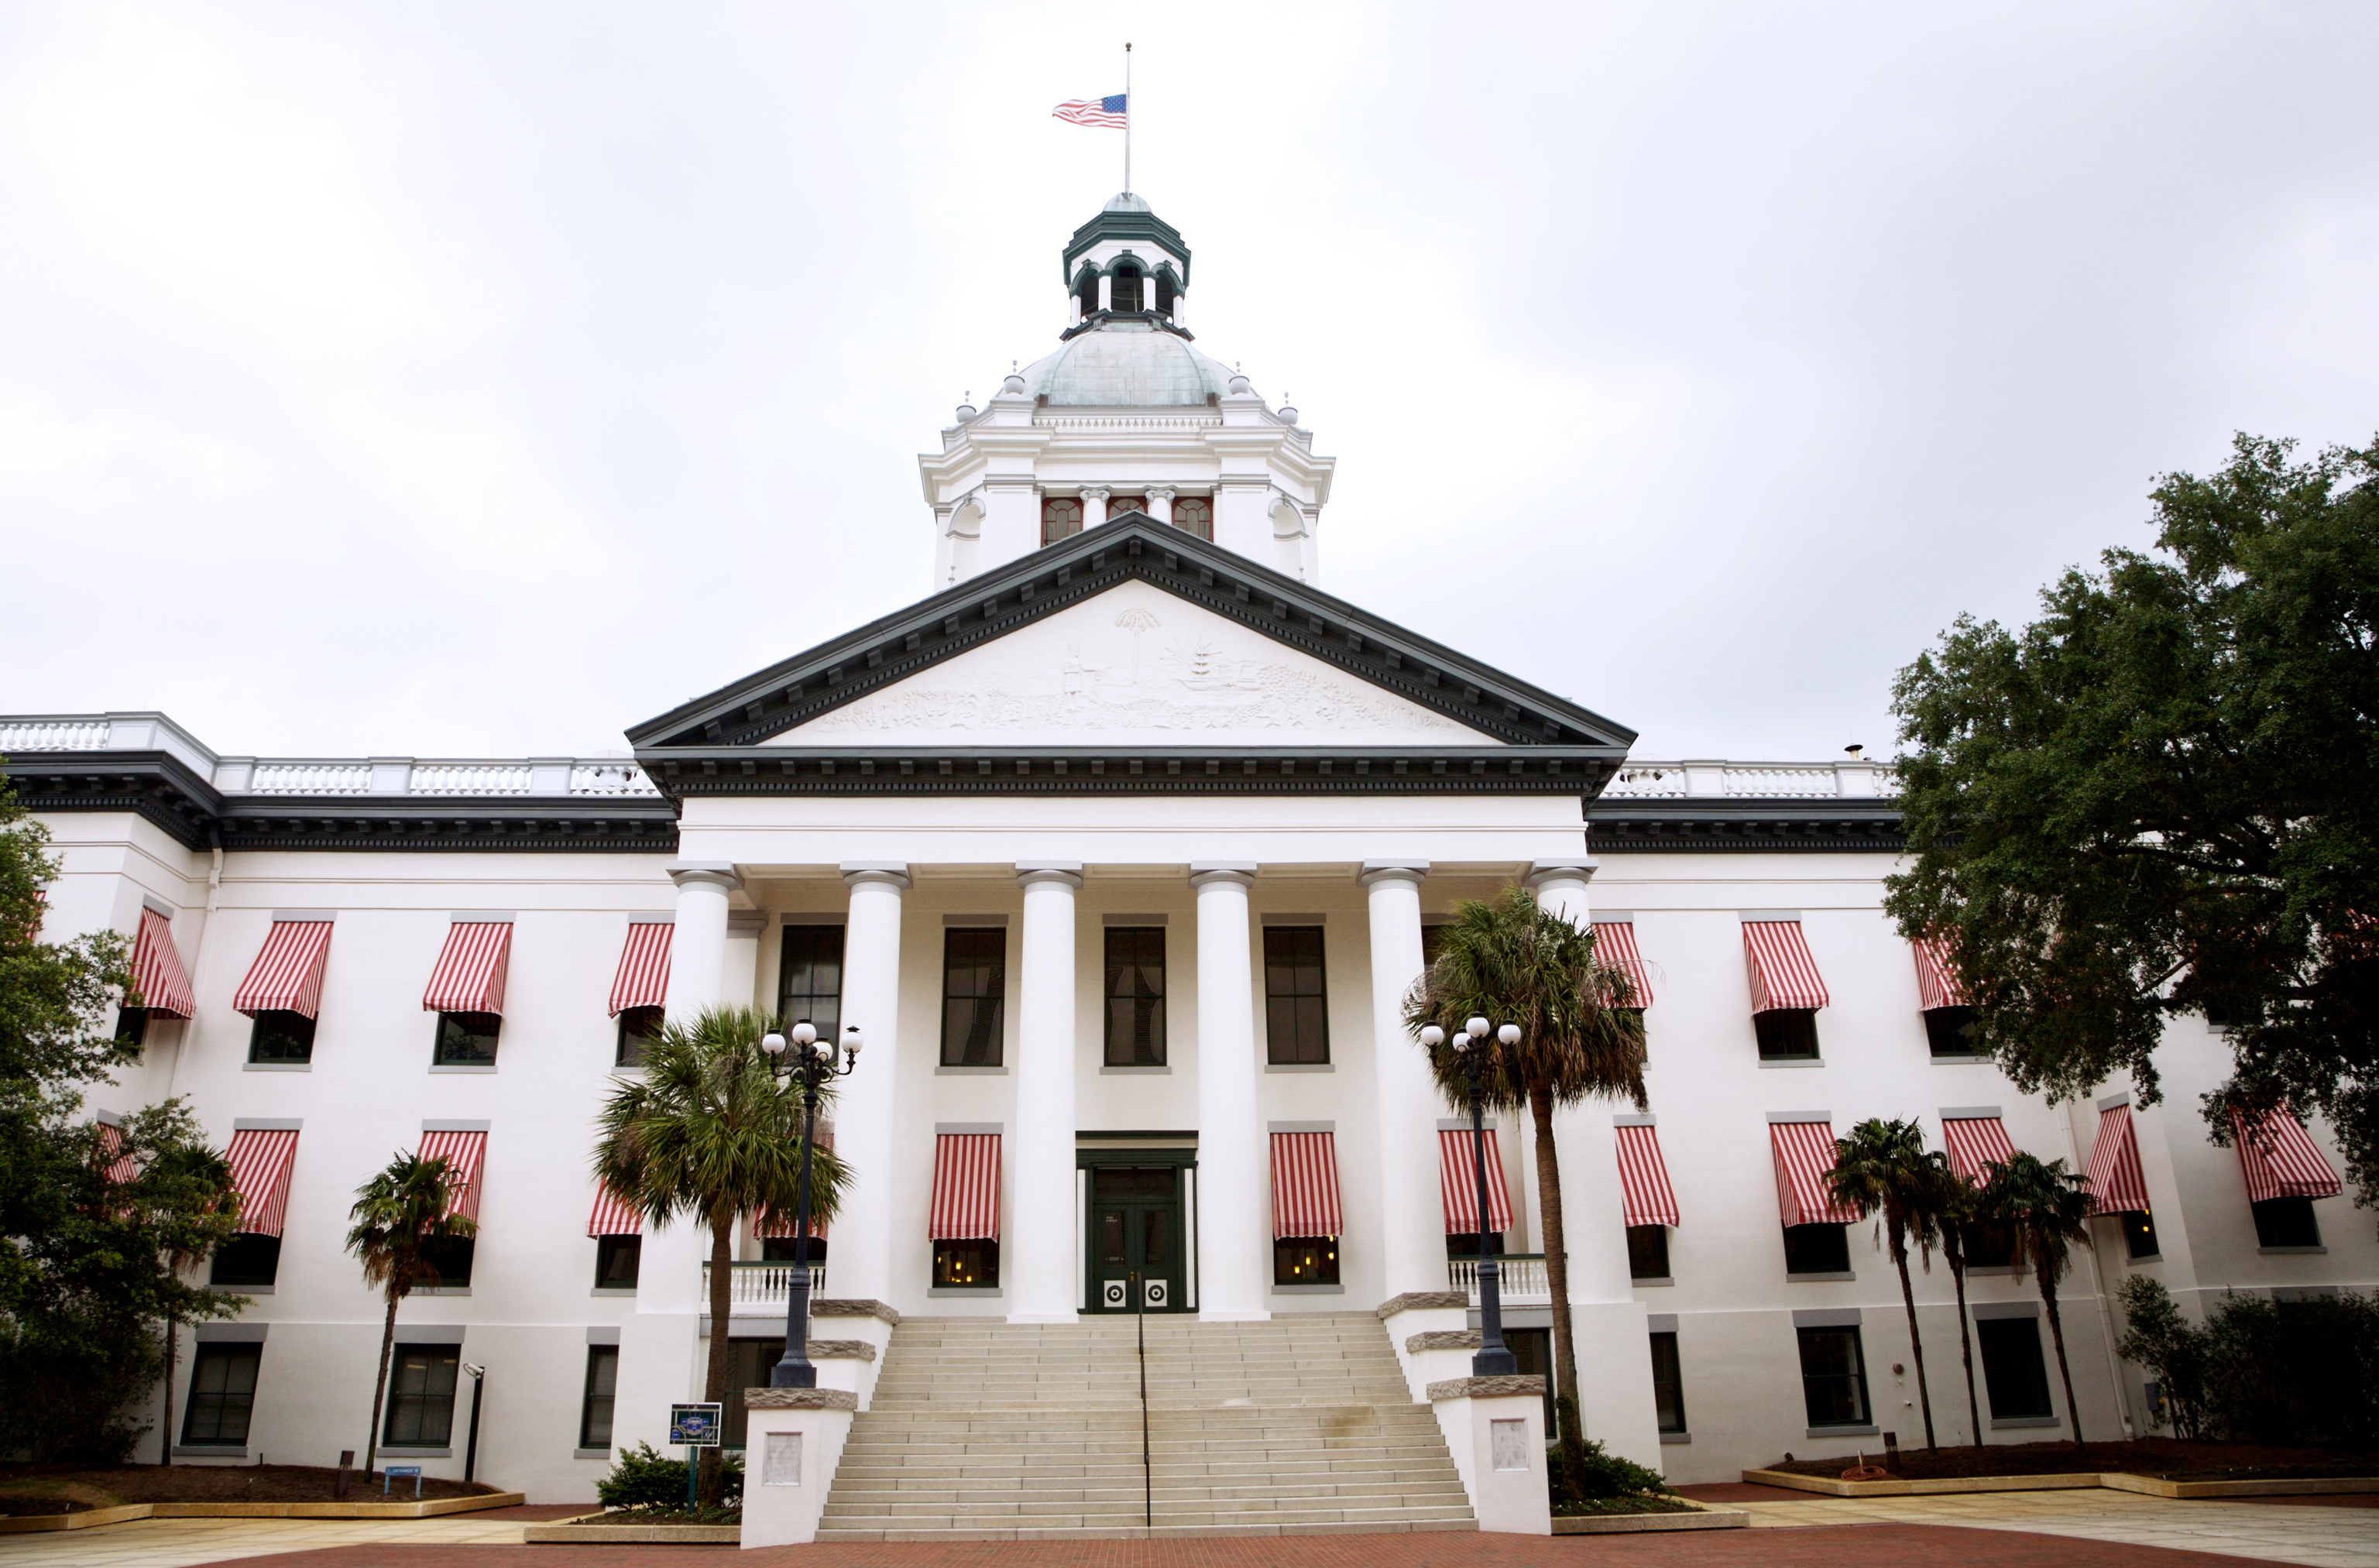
(609, 779)
(1652, 781)
(1523, 1279)
(54, 735)
(1750, 780)
(762, 1284)
(470, 778)
(311, 778)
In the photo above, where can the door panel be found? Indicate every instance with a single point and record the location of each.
(1136, 1228)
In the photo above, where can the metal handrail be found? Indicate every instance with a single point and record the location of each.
(1147, 1472)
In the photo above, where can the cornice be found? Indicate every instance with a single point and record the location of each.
(155, 786)
(1132, 548)
(1744, 825)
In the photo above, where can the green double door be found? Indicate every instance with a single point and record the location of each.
(1136, 1229)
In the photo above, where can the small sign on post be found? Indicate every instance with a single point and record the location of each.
(693, 1428)
(389, 1473)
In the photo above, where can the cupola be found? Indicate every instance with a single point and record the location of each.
(1127, 263)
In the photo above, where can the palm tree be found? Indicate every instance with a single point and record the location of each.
(709, 1134)
(1960, 1209)
(1882, 1169)
(2043, 1207)
(201, 1179)
(1510, 962)
(401, 1215)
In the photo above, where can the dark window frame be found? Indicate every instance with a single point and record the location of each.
(2140, 1242)
(638, 1027)
(1950, 1032)
(1854, 1381)
(254, 1262)
(1787, 1034)
(975, 1022)
(1057, 522)
(1647, 1245)
(2286, 1223)
(1296, 997)
(208, 1413)
(600, 1392)
(2017, 1390)
(279, 1037)
(1987, 1246)
(1305, 1259)
(972, 1264)
(609, 1251)
(1194, 515)
(803, 952)
(431, 1404)
(454, 1257)
(1820, 1248)
(1668, 1380)
(132, 1024)
(1143, 1045)
(458, 1043)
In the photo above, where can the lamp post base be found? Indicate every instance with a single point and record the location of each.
(1497, 1363)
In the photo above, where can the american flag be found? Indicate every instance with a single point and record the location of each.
(1107, 113)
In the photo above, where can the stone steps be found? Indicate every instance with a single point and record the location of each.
(984, 1430)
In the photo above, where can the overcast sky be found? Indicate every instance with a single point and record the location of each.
(479, 380)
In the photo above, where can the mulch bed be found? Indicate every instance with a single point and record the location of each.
(69, 1489)
(2166, 1457)
(1599, 1507)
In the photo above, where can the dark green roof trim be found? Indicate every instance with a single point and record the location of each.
(156, 787)
(1161, 322)
(1743, 826)
(1124, 226)
(1134, 546)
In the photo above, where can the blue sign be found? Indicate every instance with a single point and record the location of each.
(694, 1426)
(389, 1473)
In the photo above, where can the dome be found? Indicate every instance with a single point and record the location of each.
(1125, 201)
(1125, 363)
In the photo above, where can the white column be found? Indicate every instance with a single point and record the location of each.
(1181, 308)
(1412, 1221)
(1094, 505)
(866, 1232)
(1107, 292)
(1160, 503)
(1232, 1168)
(1039, 1265)
(1559, 887)
(698, 947)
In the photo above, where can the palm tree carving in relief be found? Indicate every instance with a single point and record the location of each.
(401, 1215)
(1139, 623)
(1882, 1169)
(1509, 960)
(711, 1137)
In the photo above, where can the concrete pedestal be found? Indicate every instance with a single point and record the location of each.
(794, 1444)
(1495, 1428)
(1418, 1323)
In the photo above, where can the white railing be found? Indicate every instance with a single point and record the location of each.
(609, 779)
(1126, 421)
(1652, 781)
(470, 778)
(1751, 781)
(762, 1284)
(311, 778)
(1781, 780)
(1523, 1282)
(54, 735)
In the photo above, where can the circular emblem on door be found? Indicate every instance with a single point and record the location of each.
(1114, 1293)
(1157, 1293)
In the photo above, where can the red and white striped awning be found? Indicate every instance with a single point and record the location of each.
(1805, 1152)
(1644, 1178)
(2117, 1184)
(1458, 1181)
(768, 1225)
(613, 1215)
(1614, 947)
(465, 1153)
(1937, 983)
(471, 969)
(261, 1159)
(2280, 1159)
(288, 975)
(1782, 972)
(110, 1143)
(643, 980)
(1976, 1143)
(158, 978)
(966, 1187)
(1304, 1185)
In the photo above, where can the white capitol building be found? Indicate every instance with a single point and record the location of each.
(1123, 847)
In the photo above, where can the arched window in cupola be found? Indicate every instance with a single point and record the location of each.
(1163, 305)
(1127, 288)
(1087, 289)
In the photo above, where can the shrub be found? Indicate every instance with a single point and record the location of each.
(2294, 1371)
(2158, 1337)
(1598, 1474)
(642, 1478)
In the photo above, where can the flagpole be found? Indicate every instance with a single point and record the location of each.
(1126, 119)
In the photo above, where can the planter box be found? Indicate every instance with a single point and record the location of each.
(633, 1534)
(2113, 1480)
(82, 1519)
(1704, 1518)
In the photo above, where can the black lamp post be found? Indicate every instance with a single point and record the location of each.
(808, 1065)
(1472, 1046)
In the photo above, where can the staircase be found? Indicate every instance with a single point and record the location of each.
(986, 1430)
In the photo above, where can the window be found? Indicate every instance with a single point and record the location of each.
(1786, 1034)
(222, 1394)
(2014, 1373)
(1532, 1352)
(1305, 1259)
(451, 1256)
(638, 1027)
(1135, 996)
(1127, 290)
(974, 977)
(1950, 1031)
(281, 1037)
(421, 1395)
(2287, 1221)
(466, 1040)
(1119, 504)
(1161, 288)
(1987, 1246)
(1816, 1249)
(132, 1024)
(1061, 518)
(966, 1265)
(1464, 1244)
(809, 983)
(246, 1259)
(2139, 1234)
(2227, 1013)
(616, 1262)
(750, 1362)
(780, 1249)
(1833, 1377)
(1647, 1252)
(1194, 515)
(1432, 942)
(1668, 1383)
(1297, 1022)
(595, 1404)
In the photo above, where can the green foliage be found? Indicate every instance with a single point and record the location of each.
(400, 1217)
(2157, 1336)
(90, 1267)
(2044, 1208)
(1883, 1168)
(1591, 1473)
(2294, 1371)
(643, 1479)
(2163, 796)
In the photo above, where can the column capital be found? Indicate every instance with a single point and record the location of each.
(1391, 871)
(1161, 492)
(1028, 873)
(1580, 870)
(1097, 492)
(894, 873)
(1202, 872)
(705, 873)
